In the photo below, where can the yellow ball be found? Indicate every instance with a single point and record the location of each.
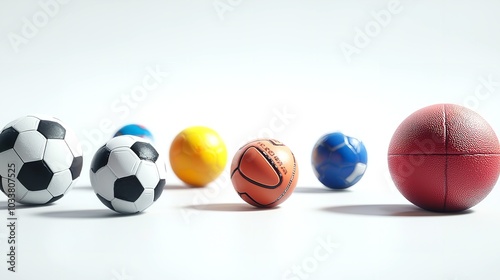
(198, 155)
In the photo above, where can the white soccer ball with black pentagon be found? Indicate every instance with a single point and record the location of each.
(40, 159)
(127, 174)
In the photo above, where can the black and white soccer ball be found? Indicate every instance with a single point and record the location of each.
(40, 159)
(127, 174)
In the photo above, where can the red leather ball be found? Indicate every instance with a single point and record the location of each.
(444, 158)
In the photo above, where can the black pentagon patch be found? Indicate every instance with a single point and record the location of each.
(106, 202)
(128, 188)
(8, 139)
(35, 175)
(1, 186)
(55, 198)
(51, 130)
(145, 151)
(159, 189)
(76, 167)
(100, 159)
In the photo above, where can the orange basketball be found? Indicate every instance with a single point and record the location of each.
(264, 172)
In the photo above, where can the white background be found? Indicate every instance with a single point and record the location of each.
(250, 69)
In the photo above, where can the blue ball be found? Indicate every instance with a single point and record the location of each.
(339, 161)
(135, 130)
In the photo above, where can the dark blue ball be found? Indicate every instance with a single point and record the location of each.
(339, 161)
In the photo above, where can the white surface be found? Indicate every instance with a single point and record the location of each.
(263, 68)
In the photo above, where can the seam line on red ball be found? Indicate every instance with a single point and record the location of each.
(446, 158)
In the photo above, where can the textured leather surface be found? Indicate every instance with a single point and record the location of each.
(470, 179)
(444, 158)
(423, 132)
(468, 133)
(423, 185)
